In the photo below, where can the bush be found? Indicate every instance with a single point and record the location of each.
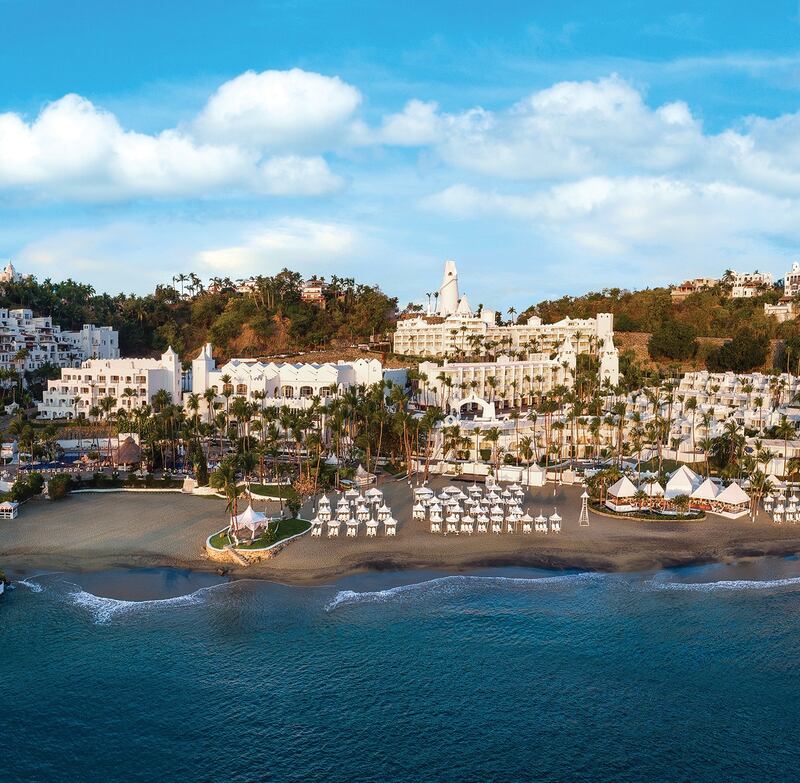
(59, 486)
(672, 340)
(27, 487)
(745, 352)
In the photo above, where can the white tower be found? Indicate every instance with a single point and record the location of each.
(448, 291)
(201, 367)
(609, 362)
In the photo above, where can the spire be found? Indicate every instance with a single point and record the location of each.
(448, 291)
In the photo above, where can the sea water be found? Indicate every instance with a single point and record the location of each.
(506, 675)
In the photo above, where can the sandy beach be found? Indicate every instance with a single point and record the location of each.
(96, 532)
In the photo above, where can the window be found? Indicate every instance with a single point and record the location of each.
(287, 391)
(227, 388)
(306, 391)
(241, 388)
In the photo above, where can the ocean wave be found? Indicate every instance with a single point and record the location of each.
(729, 584)
(34, 587)
(453, 584)
(105, 609)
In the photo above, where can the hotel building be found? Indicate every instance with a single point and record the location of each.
(281, 383)
(131, 382)
(451, 328)
(44, 342)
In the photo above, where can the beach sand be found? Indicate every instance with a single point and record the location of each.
(96, 532)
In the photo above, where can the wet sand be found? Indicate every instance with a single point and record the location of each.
(127, 530)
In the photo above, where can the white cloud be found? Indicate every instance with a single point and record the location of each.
(417, 125)
(615, 215)
(75, 150)
(279, 110)
(571, 129)
(283, 242)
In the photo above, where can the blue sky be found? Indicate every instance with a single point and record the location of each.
(549, 147)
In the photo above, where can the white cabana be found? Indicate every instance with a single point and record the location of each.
(527, 522)
(540, 523)
(316, 527)
(620, 495)
(707, 491)
(683, 481)
(418, 511)
(363, 477)
(467, 524)
(372, 528)
(497, 525)
(652, 489)
(384, 512)
(352, 528)
(451, 490)
(352, 493)
(734, 500)
(250, 519)
(555, 522)
(483, 523)
(436, 525)
(390, 525)
(452, 523)
(333, 527)
(324, 502)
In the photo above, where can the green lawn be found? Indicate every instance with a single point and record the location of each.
(284, 491)
(274, 533)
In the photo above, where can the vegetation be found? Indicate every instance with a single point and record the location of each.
(672, 340)
(275, 532)
(59, 486)
(247, 317)
(745, 352)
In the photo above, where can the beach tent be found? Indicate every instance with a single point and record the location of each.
(250, 519)
(362, 477)
(9, 509)
(652, 489)
(707, 491)
(620, 495)
(683, 481)
(735, 501)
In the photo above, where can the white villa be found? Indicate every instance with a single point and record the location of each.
(451, 327)
(44, 342)
(131, 382)
(281, 383)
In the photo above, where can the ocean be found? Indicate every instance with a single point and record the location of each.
(501, 675)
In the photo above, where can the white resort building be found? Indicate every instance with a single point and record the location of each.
(44, 342)
(451, 328)
(281, 383)
(131, 382)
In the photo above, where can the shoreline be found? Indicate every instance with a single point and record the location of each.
(95, 532)
(25, 563)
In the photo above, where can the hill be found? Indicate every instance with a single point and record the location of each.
(259, 316)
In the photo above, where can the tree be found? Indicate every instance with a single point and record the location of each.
(745, 352)
(672, 340)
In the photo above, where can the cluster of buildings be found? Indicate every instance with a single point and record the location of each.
(29, 343)
(740, 285)
(450, 328)
(132, 383)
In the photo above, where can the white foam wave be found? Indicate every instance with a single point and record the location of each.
(34, 587)
(104, 609)
(730, 584)
(452, 584)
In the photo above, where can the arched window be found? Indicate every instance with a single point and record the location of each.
(306, 391)
(287, 391)
(241, 388)
(227, 388)
(325, 391)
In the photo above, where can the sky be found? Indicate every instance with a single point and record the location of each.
(550, 148)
